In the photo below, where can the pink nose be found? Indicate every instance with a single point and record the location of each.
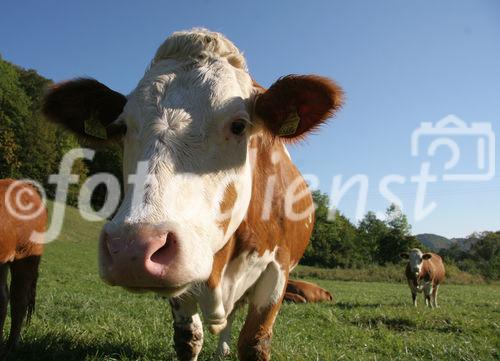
(139, 257)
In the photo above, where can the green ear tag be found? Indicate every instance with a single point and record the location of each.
(95, 129)
(289, 127)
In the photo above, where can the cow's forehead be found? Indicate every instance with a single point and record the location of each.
(416, 253)
(201, 93)
(198, 69)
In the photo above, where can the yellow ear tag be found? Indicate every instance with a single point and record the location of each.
(95, 129)
(290, 125)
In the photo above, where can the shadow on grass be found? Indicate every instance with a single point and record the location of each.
(57, 347)
(396, 324)
(350, 306)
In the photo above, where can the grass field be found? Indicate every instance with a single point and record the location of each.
(80, 318)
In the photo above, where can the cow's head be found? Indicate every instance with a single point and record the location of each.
(185, 131)
(416, 258)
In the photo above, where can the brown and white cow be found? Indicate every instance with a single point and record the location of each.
(23, 219)
(218, 214)
(305, 292)
(424, 272)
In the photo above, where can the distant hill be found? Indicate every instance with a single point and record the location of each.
(433, 241)
(436, 242)
(464, 243)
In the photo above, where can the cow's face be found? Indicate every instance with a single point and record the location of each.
(415, 259)
(188, 125)
(185, 132)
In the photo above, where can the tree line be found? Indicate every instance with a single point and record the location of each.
(482, 258)
(338, 243)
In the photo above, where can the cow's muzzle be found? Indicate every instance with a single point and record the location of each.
(139, 257)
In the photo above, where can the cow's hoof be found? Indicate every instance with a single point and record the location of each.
(223, 351)
(216, 328)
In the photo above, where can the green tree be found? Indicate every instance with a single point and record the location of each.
(14, 113)
(371, 231)
(333, 241)
(397, 238)
(31, 147)
(486, 253)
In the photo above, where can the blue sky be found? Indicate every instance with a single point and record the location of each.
(400, 62)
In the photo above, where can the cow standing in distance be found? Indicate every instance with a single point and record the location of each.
(23, 219)
(424, 272)
(220, 214)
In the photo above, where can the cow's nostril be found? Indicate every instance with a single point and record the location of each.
(165, 253)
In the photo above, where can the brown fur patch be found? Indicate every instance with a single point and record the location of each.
(226, 206)
(261, 235)
(254, 342)
(19, 252)
(294, 298)
(15, 233)
(221, 258)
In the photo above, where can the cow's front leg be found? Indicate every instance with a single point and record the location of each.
(254, 342)
(188, 330)
(427, 294)
(224, 345)
(434, 295)
(414, 297)
(414, 290)
(210, 300)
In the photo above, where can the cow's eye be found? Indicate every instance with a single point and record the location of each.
(238, 127)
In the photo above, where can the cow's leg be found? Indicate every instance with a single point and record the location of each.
(213, 309)
(224, 345)
(4, 296)
(254, 343)
(294, 297)
(434, 295)
(24, 274)
(413, 290)
(188, 330)
(428, 293)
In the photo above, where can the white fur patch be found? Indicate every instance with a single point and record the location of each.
(241, 274)
(415, 259)
(270, 286)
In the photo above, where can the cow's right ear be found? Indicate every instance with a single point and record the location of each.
(404, 255)
(296, 105)
(87, 108)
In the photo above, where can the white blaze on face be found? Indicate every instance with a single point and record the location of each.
(178, 128)
(416, 260)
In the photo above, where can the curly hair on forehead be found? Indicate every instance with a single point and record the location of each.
(199, 44)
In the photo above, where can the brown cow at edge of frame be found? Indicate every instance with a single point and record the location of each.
(21, 214)
(424, 272)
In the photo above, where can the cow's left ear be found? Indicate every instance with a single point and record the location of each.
(426, 256)
(87, 108)
(297, 104)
